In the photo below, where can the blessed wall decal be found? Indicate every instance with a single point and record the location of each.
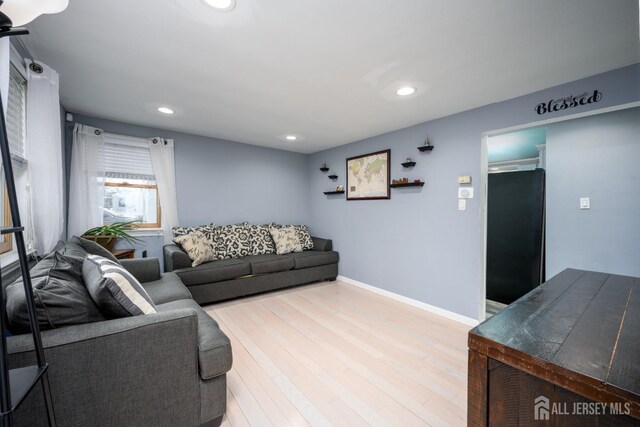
(570, 101)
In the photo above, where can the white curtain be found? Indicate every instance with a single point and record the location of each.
(5, 63)
(86, 188)
(165, 172)
(44, 153)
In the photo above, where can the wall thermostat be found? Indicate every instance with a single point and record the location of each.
(465, 193)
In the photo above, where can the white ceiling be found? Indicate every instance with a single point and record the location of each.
(326, 70)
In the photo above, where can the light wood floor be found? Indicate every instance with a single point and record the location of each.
(333, 354)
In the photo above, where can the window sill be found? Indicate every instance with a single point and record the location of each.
(146, 232)
(9, 260)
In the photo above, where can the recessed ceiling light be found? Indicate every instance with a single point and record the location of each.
(291, 137)
(165, 110)
(222, 5)
(405, 91)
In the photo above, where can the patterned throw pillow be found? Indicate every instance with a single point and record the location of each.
(286, 239)
(208, 230)
(305, 237)
(197, 246)
(232, 241)
(261, 241)
(114, 290)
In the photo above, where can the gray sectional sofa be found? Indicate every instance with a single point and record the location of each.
(231, 278)
(162, 369)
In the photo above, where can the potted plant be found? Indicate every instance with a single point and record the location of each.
(106, 235)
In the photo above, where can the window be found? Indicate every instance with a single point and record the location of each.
(15, 121)
(130, 190)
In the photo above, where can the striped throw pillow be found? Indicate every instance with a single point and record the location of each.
(114, 290)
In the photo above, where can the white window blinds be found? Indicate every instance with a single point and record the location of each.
(15, 117)
(127, 158)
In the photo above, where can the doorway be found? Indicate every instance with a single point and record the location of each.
(515, 261)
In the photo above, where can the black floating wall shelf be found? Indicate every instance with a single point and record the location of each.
(424, 148)
(408, 184)
(333, 192)
(324, 169)
(408, 164)
(333, 176)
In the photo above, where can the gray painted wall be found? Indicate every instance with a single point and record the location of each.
(223, 181)
(594, 157)
(418, 244)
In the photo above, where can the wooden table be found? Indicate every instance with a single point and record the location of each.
(574, 341)
(124, 253)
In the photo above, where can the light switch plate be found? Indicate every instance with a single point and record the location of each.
(465, 193)
(462, 204)
(585, 203)
(466, 179)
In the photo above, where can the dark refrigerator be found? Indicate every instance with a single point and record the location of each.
(515, 234)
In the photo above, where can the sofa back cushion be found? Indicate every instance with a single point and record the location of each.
(261, 240)
(116, 292)
(93, 248)
(60, 296)
(232, 241)
(286, 239)
(197, 247)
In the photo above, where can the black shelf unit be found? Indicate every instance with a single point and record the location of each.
(334, 176)
(324, 169)
(408, 184)
(333, 192)
(424, 148)
(17, 383)
(408, 164)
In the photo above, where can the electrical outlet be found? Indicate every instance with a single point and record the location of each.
(462, 204)
(585, 203)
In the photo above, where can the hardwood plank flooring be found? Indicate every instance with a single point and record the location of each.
(333, 354)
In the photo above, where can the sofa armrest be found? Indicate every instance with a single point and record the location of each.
(320, 244)
(143, 269)
(117, 371)
(175, 258)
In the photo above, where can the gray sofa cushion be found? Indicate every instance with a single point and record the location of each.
(60, 297)
(308, 259)
(215, 271)
(114, 289)
(214, 348)
(269, 263)
(168, 288)
(94, 249)
(69, 250)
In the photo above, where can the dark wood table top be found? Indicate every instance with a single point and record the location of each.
(579, 330)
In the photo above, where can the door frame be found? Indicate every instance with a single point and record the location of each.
(484, 183)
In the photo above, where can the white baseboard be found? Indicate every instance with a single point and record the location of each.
(412, 302)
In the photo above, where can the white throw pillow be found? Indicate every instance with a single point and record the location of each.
(286, 239)
(197, 246)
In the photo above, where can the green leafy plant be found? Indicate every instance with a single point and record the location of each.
(107, 234)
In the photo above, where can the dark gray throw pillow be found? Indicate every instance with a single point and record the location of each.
(94, 248)
(114, 289)
(60, 296)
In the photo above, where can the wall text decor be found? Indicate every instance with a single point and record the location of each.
(570, 101)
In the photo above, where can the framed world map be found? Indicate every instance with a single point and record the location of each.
(368, 176)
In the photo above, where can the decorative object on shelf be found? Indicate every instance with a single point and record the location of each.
(368, 176)
(415, 183)
(427, 145)
(324, 168)
(409, 163)
(400, 181)
(107, 235)
(340, 188)
(334, 176)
